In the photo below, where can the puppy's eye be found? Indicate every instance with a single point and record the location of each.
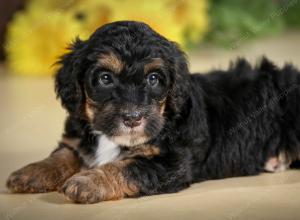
(106, 79)
(153, 79)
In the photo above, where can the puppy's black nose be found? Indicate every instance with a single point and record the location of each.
(132, 119)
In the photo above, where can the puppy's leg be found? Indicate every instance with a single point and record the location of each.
(48, 174)
(127, 178)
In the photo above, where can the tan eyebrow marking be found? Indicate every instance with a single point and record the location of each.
(155, 64)
(111, 62)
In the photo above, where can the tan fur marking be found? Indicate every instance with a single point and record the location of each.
(46, 175)
(162, 106)
(106, 182)
(89, 112)
(71, 142)
(120, 186)
(89, 108)
(111, 62)
(145, 150)
(155, 64)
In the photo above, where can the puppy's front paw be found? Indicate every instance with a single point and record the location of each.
(81, 189)
(35, 178)
(99, 184)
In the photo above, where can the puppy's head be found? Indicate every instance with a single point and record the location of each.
(126, 80)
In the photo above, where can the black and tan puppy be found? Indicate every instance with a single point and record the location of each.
(140, 124)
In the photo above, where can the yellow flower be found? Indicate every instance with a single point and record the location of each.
(38, 36)
(35, 43)
(154, 13)
(91, 14)
(192, 15)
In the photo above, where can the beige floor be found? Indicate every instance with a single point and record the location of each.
(31, 122)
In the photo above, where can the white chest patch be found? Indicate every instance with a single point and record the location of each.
(107, 151)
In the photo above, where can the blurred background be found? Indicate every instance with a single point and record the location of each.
(34, 33)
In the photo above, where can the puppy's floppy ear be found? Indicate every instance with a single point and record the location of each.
(69, 77)
(180, 82)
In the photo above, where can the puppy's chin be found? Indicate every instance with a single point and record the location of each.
(130, 136)
(126, 136)
(129, 140)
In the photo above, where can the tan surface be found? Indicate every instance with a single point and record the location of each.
(31, 123)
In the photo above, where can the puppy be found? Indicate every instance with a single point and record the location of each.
(139, 124)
